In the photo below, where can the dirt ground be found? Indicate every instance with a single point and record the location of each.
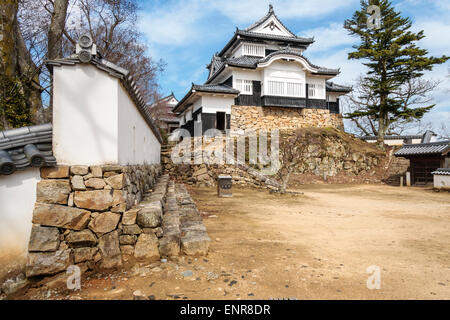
(312, 246)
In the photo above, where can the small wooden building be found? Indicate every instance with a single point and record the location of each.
(425, 158)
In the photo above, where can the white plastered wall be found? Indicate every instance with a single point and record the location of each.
(282, 71)
(17, 199)
(442, 181)
(137, 144)
(213, 104)
(85, 116)
(95, 121)
(254, 75)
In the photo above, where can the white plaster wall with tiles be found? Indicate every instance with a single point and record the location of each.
(95, 121)
(17, 198)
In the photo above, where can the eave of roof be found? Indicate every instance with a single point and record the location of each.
(392, 137)
(208, 88)
(243, 35)
(442, 172)
(333, 87)
(252, 63)
(424, 149)
(125, 78)
(26, 147)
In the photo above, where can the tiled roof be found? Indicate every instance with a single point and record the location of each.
(26, 147)
(442, 171)
(218, 64)
(125, 78)
(266, 17)
(240, 35)
(252, 62)
(211, 88)
(392, 137)
(243, 61)
(424, 148)
(266, 36)
(217, 88)
(333, 87)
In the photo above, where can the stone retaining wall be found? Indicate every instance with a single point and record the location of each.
(79, 212)
(111, 222)
(268, 118)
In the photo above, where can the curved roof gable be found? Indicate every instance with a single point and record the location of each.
(294, 55)
(270, 24)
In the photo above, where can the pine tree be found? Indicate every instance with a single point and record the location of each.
(393, 59)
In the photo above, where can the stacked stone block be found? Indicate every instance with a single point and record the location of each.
(268, 118)
(100, 230)
(194, 238)
(169, 245)
(79, 212)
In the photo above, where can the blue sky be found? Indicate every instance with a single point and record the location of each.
(186, 34)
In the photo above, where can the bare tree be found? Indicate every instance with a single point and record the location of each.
(37, 30)
(415, 93)
(443, 130)
(112, 25)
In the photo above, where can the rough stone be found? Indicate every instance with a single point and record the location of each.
(79, 170)
(48, 263)
(110, 250)
(78, 183)
(53, 191)
(127, 250)
(118, 198)
(83, 238)
(70, 202)
(108, 175)
(127, 239)
(147, 248)
(150, 216)
(84, 254)
(169, 246)
(120, 208)
(60, 216)
(104, 223)
(59, 172)
(133, 229)
(113, 168)
(138, 295)
(44, 239)
(195, 244)
(129, 217)
(13, 285)
(97, 172)
(95, 183)
(116, 182)
(98, 200)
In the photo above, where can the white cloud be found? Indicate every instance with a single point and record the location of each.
(329, 37)
(174, 24)
(241, 11)
(179, 21)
